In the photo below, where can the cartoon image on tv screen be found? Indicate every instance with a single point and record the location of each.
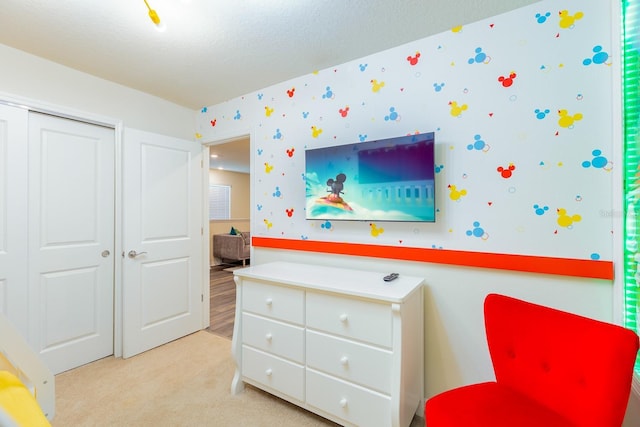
(334, 188)
(383, 180)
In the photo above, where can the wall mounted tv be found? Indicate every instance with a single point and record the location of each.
(385, 180)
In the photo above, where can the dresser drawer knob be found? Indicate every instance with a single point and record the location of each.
(344, 318)
(344, 360)
(343, 402)
(268, 336)
(269, 301)
(268, 372)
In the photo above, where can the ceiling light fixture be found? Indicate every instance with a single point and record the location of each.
(155, 18)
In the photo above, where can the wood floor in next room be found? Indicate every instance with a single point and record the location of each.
(222, 300)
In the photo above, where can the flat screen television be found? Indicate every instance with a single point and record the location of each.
(384, 180)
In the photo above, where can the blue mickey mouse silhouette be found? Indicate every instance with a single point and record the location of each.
(541, 19)
(478, 144)
(477, 231)
(597, 162)
(599, 57)
(540, 210)
(328, 94)
(393, 115)
(541, 114)
(479, 57)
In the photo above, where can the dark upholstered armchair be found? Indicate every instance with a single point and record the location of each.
(234, 247)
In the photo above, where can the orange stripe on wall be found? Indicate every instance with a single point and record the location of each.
(534, 264)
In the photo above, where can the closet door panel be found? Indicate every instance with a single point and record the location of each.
(71, 240)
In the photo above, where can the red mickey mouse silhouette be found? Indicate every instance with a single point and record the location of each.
(508, 172)
(291, 91)
(507, 81)
(290, 152)
(344, 111)
(413, 60)
(289, 212)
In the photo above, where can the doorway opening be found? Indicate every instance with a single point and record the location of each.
(229, 165)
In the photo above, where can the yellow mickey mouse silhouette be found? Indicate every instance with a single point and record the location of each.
(566, 120)
(568, 21)
(456, 109)
(565, 220)
(375, 86)
(375, 231)
(454, 194)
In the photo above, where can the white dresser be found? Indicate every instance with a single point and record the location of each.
(342, 343)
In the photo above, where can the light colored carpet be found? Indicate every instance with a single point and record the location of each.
(186, 382)
(183, 383)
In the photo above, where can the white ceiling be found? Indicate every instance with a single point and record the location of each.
(216, 50)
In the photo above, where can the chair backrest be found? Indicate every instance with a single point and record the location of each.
(579, 367)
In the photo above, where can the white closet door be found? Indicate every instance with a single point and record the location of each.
(162, 237)
(13, 218)
(71, 240)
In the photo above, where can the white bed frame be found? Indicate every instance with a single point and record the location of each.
(17, 357)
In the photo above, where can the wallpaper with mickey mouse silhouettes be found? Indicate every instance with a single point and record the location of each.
(521, 109)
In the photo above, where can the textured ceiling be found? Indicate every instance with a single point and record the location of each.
(216, 50)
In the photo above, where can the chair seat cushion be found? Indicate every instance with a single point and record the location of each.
(488, 404)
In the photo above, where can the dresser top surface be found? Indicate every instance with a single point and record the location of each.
(366, 284)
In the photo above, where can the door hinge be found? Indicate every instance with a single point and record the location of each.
(202, 231)
(201, 297)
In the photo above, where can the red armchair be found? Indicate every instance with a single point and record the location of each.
(552, 369)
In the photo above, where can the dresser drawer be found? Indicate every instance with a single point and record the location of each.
(278, 302)
(273, 372)
(358, 363)
(361, 320)
(354, 404)
(275, 337)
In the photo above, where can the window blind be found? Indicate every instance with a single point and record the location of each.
(631, 153)
(219, 201)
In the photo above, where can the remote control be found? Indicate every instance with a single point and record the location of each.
(390, 277)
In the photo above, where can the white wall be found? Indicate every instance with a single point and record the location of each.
(30, 77)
